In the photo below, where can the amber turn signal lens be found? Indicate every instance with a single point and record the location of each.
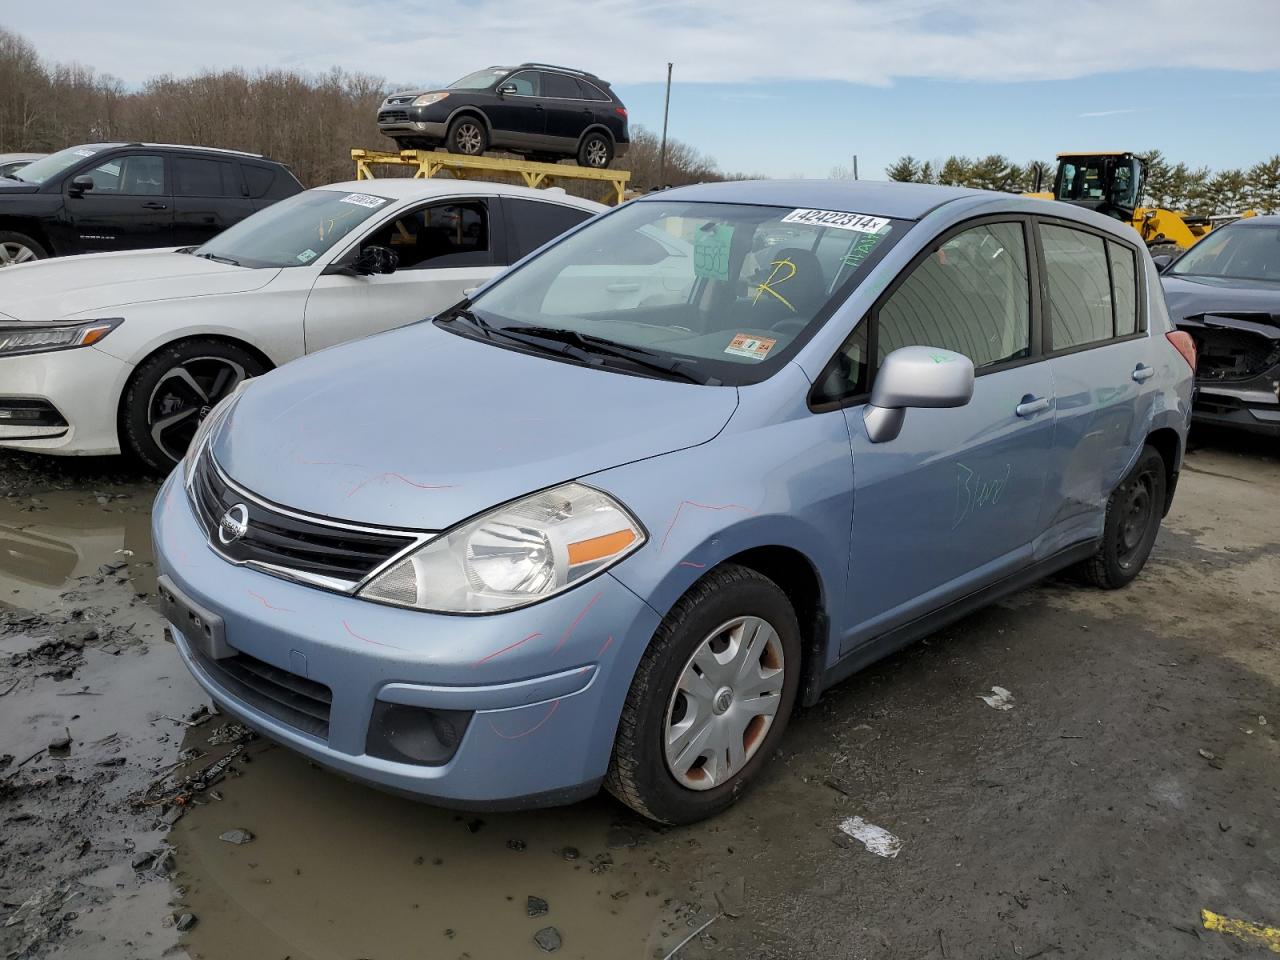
(597, 548)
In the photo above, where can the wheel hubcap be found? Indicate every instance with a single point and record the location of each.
(13, 253)
(469, 138)
(724, 703)
(597, 154)
(183, 398)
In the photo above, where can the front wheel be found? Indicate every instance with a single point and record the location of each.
(596, 150)
(16, 248)
(172, 392)
(710, 699)
(1132, 522)
(467, 136)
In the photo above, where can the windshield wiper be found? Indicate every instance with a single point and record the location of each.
(219, 259)
(603, 346)
(14, 176)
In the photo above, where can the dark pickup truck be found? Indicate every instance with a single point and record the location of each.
(127, 196)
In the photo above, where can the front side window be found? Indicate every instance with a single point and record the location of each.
(728, 292)
(970, 295)
(137, 175)
(1240, 251)
(441, 235)
(1080, 309)
(526, 84)
(295, 231)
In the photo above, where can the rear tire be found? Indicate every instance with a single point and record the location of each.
(468, 136)
(16, 248)
(1133, 518)
(596, 150)
(663, 766)
(173, 391)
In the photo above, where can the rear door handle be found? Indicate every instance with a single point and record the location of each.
(1031, 405)
(155, 205)
(1142, 372)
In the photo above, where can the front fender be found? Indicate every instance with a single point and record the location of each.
(777, 475)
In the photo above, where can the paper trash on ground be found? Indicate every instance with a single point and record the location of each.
(876, 839)
(1001, 699)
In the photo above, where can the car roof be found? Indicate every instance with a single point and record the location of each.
(6, 157)
(885, 198)
(411, 188)
(1262, 220)
(178, 146)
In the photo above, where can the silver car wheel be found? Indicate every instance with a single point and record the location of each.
(13, 253)
(597, 153)
(183, 397)
(724, 703)
(468, 138)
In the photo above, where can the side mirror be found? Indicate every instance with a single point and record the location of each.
(506, 88)
(374, 259)
(915, 377)
(80, 184)
(1162, 260)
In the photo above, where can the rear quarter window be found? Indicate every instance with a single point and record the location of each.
(531, 223)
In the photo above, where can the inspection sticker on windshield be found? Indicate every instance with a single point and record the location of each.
(744, 345)
(306, 256)
(857, 222)
(364, 200)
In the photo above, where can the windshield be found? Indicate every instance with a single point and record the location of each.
(728, 291)
(295, 231)
(480, 80)
(47, 167)
(1241, 251)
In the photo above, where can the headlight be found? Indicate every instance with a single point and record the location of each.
(514, 555)
(206, 428)
(16, 338)
(427, 99)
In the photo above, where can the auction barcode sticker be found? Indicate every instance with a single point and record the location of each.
(364, 200)
(858, 222)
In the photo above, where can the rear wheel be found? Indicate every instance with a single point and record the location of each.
(16, 248)
(1133, 520)
(468, 136)
(171, 393)
(596, 150)
(1164, 249)
(710, 699)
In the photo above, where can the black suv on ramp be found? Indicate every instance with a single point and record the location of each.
(127, 196)
(536, 109)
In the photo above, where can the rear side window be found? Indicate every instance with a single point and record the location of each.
(259, 180)
(971, 295)
(1079, 287)
(531, 223)
(198, 177)
(1124, 287)
(560, 87)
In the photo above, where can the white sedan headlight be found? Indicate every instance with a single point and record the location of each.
(514, 555)
(16, 338)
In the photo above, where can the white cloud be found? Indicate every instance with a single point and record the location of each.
(1105, 113)
(630, 41)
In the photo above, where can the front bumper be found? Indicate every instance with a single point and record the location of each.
(397, 121)
(1252, 406)
(544, 685)
(82, 385)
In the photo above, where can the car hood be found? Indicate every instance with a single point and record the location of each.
(1190, 297)
(63, 287)
(420, 428)
(8, 186)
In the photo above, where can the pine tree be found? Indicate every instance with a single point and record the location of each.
(955, 171)
(927, 175)
(904, 168)
(1264, 186)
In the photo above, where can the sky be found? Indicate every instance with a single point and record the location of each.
(767, 87)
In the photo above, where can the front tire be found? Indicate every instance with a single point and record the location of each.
(173, 391)
(1132, 522)
(467, 136)
(16, 248)
(710, 699)
(596, 150)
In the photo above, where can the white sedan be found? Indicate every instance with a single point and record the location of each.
(128, 351)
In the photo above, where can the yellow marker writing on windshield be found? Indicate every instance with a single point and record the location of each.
(767, 286)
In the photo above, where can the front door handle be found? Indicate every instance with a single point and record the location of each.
(1031, 405)
(1142, 372)
(155, 205)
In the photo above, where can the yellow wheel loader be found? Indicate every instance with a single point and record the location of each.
(1111, 183)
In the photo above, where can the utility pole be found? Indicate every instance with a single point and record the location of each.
(662, 154)
(855, 166)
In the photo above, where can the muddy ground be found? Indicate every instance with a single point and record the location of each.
(1134, 782)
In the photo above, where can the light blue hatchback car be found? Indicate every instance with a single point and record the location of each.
(609, 520)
